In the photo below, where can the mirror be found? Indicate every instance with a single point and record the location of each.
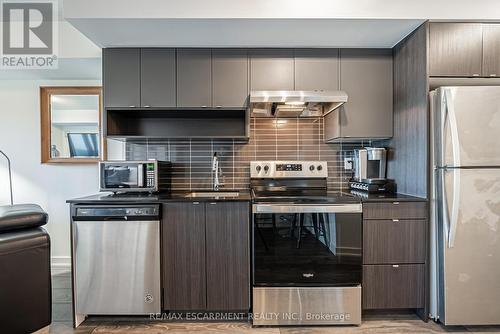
(70, 124)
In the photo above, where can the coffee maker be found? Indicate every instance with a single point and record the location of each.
(370, 164)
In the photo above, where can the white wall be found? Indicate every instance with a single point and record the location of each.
(47, 185)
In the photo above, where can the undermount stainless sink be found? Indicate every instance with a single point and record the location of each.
(213, 194)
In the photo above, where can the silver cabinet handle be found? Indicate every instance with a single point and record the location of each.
(395, 265)
(147, 106)
(475, 75)
(493, 75)
(395, 203)
(395, 220)
(196, 203)
(213, 203)
(131, 106)
(204, 106)
(218, 106)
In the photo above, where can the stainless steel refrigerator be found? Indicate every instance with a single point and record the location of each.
(465, 205)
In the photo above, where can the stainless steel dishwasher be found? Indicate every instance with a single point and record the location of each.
(116, 260)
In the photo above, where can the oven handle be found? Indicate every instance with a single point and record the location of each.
(308, 208)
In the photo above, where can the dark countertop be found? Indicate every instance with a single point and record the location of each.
(108, 198)
(385, 197)
(245, 196)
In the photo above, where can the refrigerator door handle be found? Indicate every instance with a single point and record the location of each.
(452, 117)
(444, 203)
(450, 220)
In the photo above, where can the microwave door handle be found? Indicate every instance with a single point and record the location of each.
(140, 176)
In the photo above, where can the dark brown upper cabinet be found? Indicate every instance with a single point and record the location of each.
(229, 78)
(366, 76)
(455, 49)
(158, 79)
(491, 50)
(316, 69)
(194, 78)
(272, 69)
(121, 77)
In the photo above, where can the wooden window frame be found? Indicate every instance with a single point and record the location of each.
(46, 122)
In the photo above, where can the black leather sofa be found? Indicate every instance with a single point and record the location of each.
(25, 283)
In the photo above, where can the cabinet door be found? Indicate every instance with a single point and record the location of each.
(158, 78)
(366, 76)
(230, 78)
(194, 78)
(183, 249)
(316, 69)
(393, 286)
(271, 69)
(491, 50)
(394, 241)
(121, 77)
(228, 258)
(395, 210)
(455, 49)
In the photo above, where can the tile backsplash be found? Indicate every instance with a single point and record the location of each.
(270, 139)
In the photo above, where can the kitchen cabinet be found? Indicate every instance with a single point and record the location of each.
(393, 286)
(206, 261)
(316, 69)
(366, 76)
(394, 241)
(229, 78)
(228, 247)
(158, 81)
(395, 210)
(194, 78)
(121, 77)
(272, 69)
(394, 254)
(455, 49)
(491, 50)
(183, 255)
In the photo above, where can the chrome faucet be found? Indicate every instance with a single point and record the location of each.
(216, 170)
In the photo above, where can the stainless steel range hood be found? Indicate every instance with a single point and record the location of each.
(295, 103)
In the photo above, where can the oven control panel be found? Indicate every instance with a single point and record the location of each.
(288, 169)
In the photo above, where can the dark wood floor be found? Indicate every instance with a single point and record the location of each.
(372, 323)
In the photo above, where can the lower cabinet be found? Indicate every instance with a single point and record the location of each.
(183, 255)
(393, 286)
(206, 256)
(394, 254)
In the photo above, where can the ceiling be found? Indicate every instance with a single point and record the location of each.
(362, 33)
(263, 23)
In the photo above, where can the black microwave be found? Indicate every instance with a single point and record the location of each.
(135, 176)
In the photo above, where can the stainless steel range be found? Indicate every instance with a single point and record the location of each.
(307, 247)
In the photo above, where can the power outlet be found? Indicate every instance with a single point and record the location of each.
(348, 163)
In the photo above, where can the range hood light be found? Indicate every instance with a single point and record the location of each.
(281, 103)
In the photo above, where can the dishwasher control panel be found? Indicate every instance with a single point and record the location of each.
(118, 211)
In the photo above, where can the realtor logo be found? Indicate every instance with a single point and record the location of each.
(29, 34)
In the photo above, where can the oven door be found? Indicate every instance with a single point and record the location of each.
(307, 245)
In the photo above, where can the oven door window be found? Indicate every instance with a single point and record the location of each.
(310, 249)
(122, 176)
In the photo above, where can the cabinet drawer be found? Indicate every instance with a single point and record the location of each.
(395, 210)
(394, 241)
(393, 286)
